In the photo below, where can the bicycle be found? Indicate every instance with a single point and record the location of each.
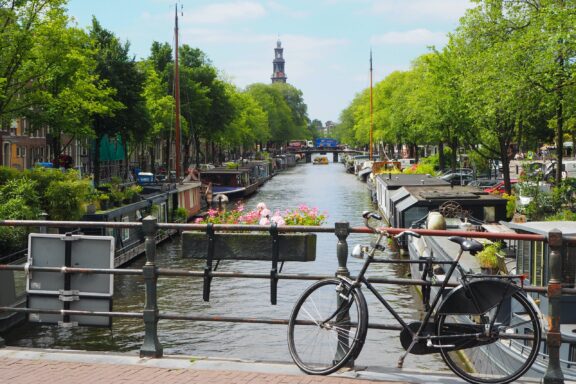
(486, 329)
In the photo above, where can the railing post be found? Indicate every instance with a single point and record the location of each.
(342, 230)
(151, 346)
(553, 373)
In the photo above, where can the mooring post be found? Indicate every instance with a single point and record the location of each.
(335, 156)
(151, 346)
(553, 373)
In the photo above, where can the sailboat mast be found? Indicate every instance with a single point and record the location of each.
(371, 108)
(177, 97)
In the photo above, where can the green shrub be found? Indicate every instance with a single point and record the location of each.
(65, 199)
(565, 215)
(488, 257)
(8, 173)
(181, 215)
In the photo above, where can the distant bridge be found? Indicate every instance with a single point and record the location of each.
(308, 152)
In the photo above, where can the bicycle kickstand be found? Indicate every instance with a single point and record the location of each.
(401, 359)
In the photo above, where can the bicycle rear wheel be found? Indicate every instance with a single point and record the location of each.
(327, 327)
(503, 355)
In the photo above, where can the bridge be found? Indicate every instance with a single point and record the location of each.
(308, 152)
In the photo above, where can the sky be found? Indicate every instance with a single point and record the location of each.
(326, 43)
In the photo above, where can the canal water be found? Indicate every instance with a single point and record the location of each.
(326, 187)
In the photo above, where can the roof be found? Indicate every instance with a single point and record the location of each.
(401, 180)
(544, 227)
(464, 195)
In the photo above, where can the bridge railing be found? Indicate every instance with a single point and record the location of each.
(150, 314)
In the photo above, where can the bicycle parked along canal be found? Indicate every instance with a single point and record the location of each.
(486, 329)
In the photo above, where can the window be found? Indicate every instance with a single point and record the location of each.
(125, 231)
(571, 355)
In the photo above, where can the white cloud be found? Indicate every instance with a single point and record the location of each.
(225, 12)
(422, 9)
(416, 36)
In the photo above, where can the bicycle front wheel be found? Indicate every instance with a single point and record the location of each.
(500, 353)
(327, 327)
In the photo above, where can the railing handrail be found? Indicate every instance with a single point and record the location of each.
(151, 346)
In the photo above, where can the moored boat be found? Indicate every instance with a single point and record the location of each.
(234, 183)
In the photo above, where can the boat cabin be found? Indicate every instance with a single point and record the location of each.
(234, 183)
(412, 203)
(388, 183)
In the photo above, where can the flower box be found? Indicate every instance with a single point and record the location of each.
(250, 246)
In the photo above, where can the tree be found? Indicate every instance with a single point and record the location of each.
(120, 73)
(26, 28)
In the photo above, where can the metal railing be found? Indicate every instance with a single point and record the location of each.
(151, 346)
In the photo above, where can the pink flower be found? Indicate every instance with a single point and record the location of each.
(260, 206)
(240, 208)
(279, 220)
(265, 212)
(264, 221)
(212, 212)
(198, 220)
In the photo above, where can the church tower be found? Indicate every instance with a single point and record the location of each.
(278, 75)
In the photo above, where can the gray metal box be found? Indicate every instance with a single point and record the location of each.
(48, 250)
(84, 304)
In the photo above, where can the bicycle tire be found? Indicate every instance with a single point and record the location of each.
(320, 348)
(501, 358)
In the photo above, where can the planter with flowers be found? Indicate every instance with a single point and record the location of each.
(256, 245)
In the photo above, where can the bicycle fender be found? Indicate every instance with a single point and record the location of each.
(476, 297)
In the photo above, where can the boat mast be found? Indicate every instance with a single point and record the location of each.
(371, 107)
(177, 97)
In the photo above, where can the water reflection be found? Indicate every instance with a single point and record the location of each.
(326, 187)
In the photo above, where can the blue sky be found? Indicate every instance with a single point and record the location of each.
(326, 42)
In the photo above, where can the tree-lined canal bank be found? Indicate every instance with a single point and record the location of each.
(327, 188)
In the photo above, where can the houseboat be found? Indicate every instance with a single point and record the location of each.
(129, 241)
(519, 257)
(233, 183)
(388, 183)
(532, 260)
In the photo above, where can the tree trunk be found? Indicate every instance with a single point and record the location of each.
(197, 149)
(559, 135)
(441, 157)
(454, 154)
(96, 166)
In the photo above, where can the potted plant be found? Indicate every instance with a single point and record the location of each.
(488, 258)
(104, 200)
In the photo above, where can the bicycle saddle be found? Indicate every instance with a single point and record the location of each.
(469, 245)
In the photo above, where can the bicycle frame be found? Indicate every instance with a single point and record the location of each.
(419, 335)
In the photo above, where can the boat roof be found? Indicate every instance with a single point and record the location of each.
(401, 180)
(224, 171)
(544, 227)
(457, 193)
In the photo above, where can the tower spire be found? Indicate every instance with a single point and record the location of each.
(278, 74)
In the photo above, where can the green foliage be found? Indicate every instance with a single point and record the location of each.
(564, 215)
(181, 215)
(8, 173)
(65, 199)
(18, 201)
(488, 257)
(510, 205)
(564, 195)
(420, 169)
